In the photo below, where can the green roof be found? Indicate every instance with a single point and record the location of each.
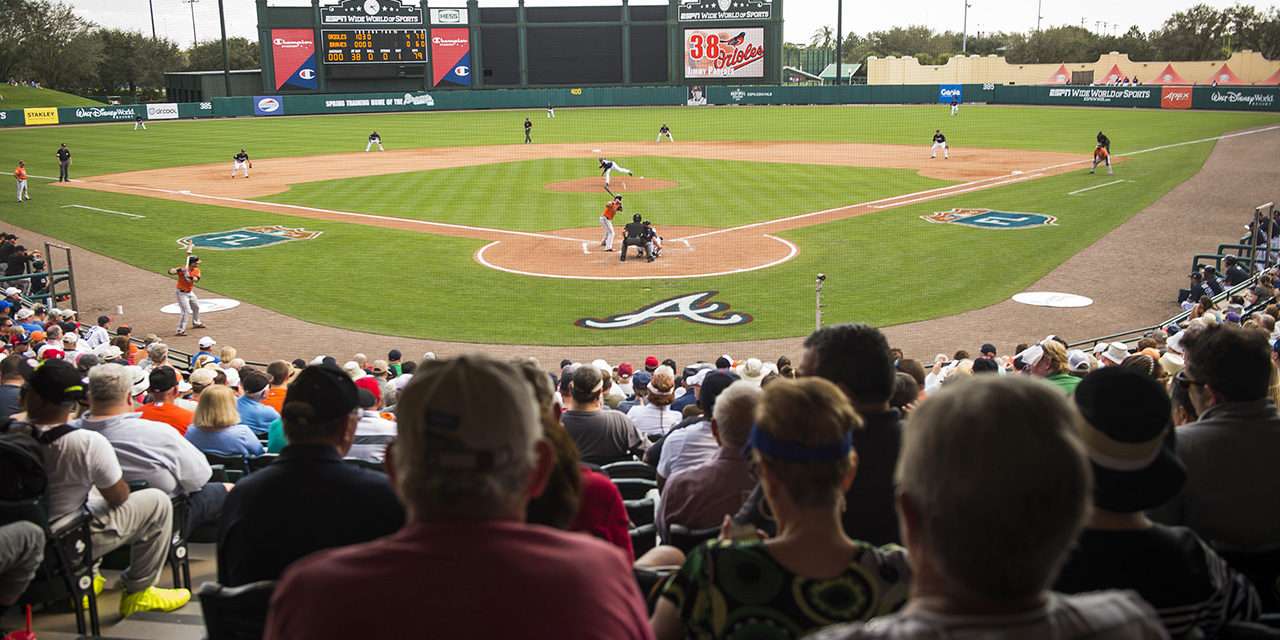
(847, 70)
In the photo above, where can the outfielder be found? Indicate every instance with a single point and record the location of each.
(138, 123)
(955, 106)
(1102, 154)
(608, 166)
(528, 131)
(374, 138)
(20, 174)
(606, 221)
(665, 131)
(939, 142)
(188, 304)
(551, 112)
(241, 161)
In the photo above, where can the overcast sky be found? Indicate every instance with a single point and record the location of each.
(173, 17)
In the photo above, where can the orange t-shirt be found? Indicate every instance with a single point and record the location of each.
(611, 210)
(275, 398)
(20, 173)
(170, 414)
(187, 279)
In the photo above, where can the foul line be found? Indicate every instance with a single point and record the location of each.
(119, 213)
(792, 250)
(585, 252)
(367, 216)
(976, 182)
(1096, 186)
(957, 191)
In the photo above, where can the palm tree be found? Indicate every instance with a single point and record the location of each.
(823, 36)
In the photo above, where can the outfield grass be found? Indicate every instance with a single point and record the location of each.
(888, 267)
(711, 193)
(24, 97)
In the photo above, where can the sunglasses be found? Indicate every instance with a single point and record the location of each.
(1185, 381)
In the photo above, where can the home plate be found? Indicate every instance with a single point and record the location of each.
(1052, 299)
(208, 305)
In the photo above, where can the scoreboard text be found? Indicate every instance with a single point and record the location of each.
(350, 46)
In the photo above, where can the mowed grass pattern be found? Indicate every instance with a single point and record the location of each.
(711, 193)
(886, 268)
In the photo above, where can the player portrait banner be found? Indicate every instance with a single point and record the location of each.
(719, 10)
(697, 96)
(293, 57)
(451, 57)
(370, 12)
(724, 53)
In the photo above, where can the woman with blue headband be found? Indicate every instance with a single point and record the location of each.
(811, 574)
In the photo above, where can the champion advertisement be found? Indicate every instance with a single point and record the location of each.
(731, 53)
(293, 54)
(451, 57)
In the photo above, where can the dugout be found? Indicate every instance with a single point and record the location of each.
(352, 46)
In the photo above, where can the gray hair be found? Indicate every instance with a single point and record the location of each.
(996, 473)
(109, 383)
(158, 352)
(735, 412)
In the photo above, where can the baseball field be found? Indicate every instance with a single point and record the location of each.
(459, 232)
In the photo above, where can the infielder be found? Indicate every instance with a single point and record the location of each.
(20, 174)
(1102, 154)
(241, 161)
(665, 131)
(374, 138)
(138, 123)
(955, 106)
(188, 304)
(608, 166)
(939, 142)
(528, 131)
(606, 220)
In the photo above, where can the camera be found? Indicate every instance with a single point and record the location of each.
(821, 277)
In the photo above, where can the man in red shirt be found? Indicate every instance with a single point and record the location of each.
(164, 391)
(469, 456)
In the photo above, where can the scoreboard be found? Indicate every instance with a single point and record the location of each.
(358, 46)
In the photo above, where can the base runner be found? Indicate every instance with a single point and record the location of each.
(188, 304)
(374, 139)
(606, 221)
(607, 167)
(665, 131)
(939, 142)
(1102, 154)
(240, 161)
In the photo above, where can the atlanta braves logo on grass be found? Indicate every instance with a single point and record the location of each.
(991, 219)
(247, 237)
(694, 307)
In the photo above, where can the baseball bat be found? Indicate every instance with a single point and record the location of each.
(610, 191)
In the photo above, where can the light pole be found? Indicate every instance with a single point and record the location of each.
(1039, 13)
(151, 6)
(226, 56)
(964, 36)
(839, 36)
(192, 4)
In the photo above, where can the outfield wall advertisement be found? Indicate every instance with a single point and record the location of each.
(451, 57)
(1238, 98)
(724, 53)
(1148, 97)
(293, 58)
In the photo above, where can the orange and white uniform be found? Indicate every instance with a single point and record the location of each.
(1101, 156)
(20, 174)
(188, 303)
(606, 221)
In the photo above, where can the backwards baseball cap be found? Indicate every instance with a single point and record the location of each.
(57, 381)
(1128, 433)
(469, 413)
(625, 369)
(253, 381)
(319, 395)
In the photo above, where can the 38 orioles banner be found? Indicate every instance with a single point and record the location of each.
(724, 53)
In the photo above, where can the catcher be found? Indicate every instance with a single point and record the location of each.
(1102, 154)
(242, 162)
(653, 241)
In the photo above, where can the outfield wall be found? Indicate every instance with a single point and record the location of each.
(1148, 97)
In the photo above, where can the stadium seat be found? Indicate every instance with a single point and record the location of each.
(685, 539)
(630, 469)
(644, 538)
(178, 560)
(634, 488)
(66, 574)
(1248, 631)
(1263, 569)
(261, 462)
(235, 613)
(651, 581)
(640, 512)
(232, 467)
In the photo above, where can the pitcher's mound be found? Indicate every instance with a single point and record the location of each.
(620, 185)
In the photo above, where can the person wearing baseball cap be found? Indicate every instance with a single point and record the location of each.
(1129, 437)
(602, 436)
(81, 460)
(188, 304)
(651, 364)
(205, 352)
(308, 499)
(469, 457)
(253, 413)
(165, 389)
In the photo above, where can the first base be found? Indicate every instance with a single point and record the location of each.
(1015, 172)
(596, 151)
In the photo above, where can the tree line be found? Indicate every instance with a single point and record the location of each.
(46, 41)
(1201, 32)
